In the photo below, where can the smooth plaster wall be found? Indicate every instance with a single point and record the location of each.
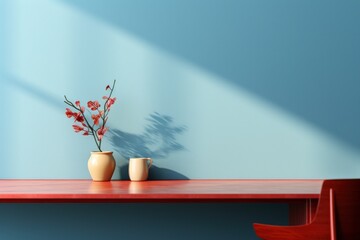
(224, 89)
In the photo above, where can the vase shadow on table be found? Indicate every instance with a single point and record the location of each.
(158, 141)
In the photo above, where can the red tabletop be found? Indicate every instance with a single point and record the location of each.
(157, 191)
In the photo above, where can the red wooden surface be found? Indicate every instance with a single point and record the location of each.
(158, 191)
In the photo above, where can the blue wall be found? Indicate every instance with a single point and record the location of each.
(232, 89)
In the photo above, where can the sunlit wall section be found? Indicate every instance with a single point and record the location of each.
(191, 120)
(7, 109)
(38, 72)
(52, 51)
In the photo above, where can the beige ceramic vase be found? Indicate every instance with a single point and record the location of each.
(101, 166)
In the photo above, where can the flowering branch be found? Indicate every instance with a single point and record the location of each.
(99, 117)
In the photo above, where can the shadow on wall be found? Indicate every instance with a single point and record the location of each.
(157, 141)
(301, 56)
(29, 88)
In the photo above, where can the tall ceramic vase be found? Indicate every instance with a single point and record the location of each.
(101, 166)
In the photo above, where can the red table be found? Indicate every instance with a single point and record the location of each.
(301, 195)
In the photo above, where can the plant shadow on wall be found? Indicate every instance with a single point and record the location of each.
(157, 141)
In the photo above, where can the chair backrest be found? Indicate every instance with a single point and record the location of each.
(346, 207)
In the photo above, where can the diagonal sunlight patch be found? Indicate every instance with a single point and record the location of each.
(55, 48)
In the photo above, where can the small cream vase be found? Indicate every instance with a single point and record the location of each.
(101, 166)
(139, 168)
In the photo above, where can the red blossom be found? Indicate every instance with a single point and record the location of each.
(93, 105)
(86, 133)
(77, 103)
(69, 113)
(78, 117)
(110, 102)
(77, 128)
(95, 118)
(101, 132)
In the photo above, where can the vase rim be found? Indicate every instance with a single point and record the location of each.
(103, 152)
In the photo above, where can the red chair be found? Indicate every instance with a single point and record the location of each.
(337, 216)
